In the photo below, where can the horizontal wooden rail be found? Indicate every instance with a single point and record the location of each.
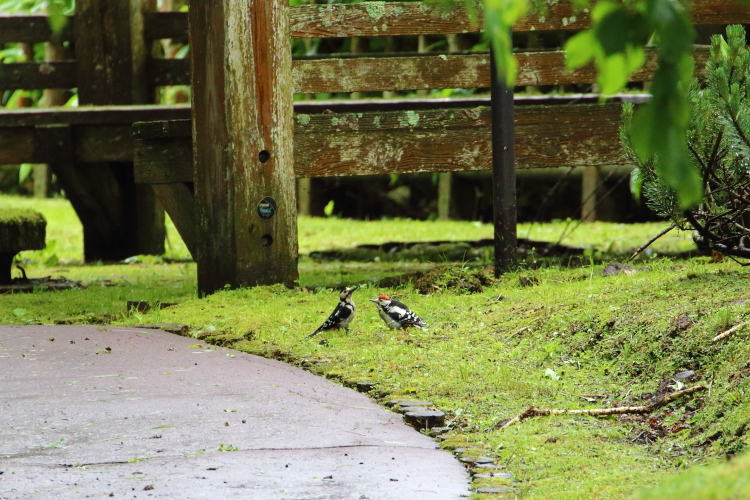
(31, 29)
(438, 140)
(361, 74)
(364, 74)
(35, 76)
(374, 19)
(100, 133)
(418, 18)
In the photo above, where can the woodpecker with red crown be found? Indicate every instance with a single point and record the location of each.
(342, 315)
(396, 314)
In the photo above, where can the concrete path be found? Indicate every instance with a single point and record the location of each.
(89, 412)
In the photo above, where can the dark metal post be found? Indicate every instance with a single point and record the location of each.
(503, 173)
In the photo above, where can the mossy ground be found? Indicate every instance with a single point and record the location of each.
(487, 356)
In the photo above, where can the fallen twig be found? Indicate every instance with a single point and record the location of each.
(728, 332)
(620, 410)
(517, 332)
(648, 244)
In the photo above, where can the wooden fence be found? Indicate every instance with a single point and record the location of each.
(242, 144)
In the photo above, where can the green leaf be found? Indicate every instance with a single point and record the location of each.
(580, 49)
(619, 29)
(56, 17)
(24, 172)
(328, 210)
(20, 312)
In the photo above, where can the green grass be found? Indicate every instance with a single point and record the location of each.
(65, 234)
(488, 356)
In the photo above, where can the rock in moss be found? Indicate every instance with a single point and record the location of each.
(21, 229)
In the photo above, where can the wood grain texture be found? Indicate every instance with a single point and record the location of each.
(90, 115)
(104, 53)
(370, 143)
(32, 29)
(446, 140)
(242, 105)
(417, 18)
(450, 71)
(361, 74)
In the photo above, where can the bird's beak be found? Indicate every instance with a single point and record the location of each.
(373, 300)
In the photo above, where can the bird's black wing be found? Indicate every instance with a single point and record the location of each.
(338, 314)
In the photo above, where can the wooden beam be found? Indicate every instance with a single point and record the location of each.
(91, 115)
(589, 187)
(363, 74)
(418, 18)
(34, 76)
(370, 143)
(32, 29)
(367, 74)
(110, 62)
(242, 148)
(179, 202)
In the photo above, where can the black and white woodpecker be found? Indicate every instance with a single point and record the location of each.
(342, 315)
(396, 314)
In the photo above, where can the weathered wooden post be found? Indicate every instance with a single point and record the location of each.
(242, 143)
(119, 218)
(503, 172)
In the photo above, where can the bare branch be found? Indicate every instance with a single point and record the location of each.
(648, 243)
(726, 334)
(620, 410)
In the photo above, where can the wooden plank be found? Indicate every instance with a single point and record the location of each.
(360, 74)
(367, 74)
(417, 18)
(97, 143)
(110, 57)
(34, 76)
(242, 147)
(16, 145)
(373, 143)
(177, 199)
(91, 115)
(160, 25)
(163, 161)
(104, 52)
(32, 29)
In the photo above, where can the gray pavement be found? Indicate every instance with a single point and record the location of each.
(130, 413)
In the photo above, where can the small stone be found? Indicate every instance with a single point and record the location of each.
(439, 430)
(503, 475)
(366, 386)
(484, 460)
(485, 475)
(406, 402)
(494, 489)
(489, 467)
(425, 419)
(464, 450)
(684, 375)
